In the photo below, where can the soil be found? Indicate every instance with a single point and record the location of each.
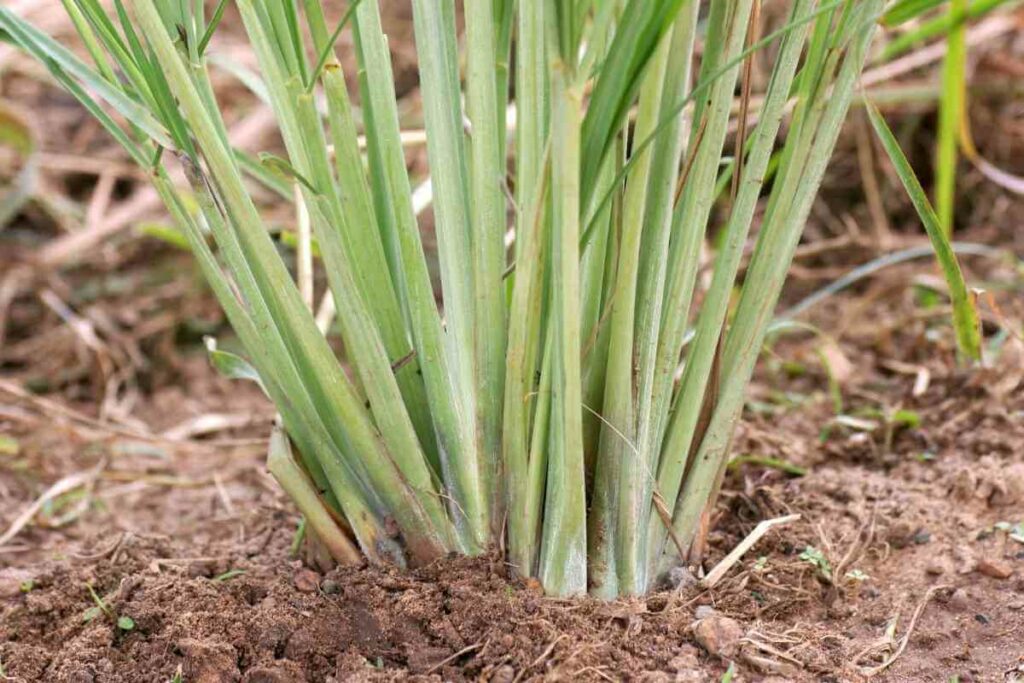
(173, 559)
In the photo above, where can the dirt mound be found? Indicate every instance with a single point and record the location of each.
(273, 620)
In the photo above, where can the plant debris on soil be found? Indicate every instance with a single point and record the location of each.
(157, 548)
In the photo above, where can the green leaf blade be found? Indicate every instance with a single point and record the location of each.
(965, 314)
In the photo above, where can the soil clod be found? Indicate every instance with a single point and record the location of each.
(719, 635)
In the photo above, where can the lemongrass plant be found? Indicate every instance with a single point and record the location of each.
(540, 407)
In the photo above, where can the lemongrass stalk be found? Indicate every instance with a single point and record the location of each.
(766, 274)
(303, 250)
(650, 291)
(563, 558)
(527, 287)
(665, 171)
(435, 34)
(520, 394)
(532, 111)
(442, 110)
(691, 215)
(487, 202)
(304, 135)
(331, 388)
(524, 408)
(680, 430)
(296, 484)
(406, 465)
(287, 390)
(434, 24)
(361, 236)
(445, 379)
(615, 504)
(282, 378)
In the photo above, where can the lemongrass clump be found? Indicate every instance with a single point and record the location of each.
(539, 407)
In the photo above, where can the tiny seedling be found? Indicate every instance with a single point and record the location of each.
(857, 575)
(892, 421)
(817, 559)
(228, 575)
(123, 622)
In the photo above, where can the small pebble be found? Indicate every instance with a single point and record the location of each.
(922, 537)
(997, 569)
(936, 567)
(306, 580)
(719, 635)
(959, 600)
(983, 619)
(330, 587)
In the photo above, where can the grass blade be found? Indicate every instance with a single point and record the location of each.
(211, 28)
(965, 314)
